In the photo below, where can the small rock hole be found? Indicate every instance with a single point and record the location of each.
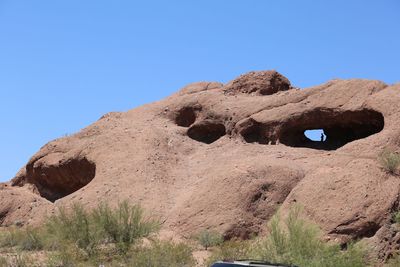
(185, 117)
(207, 131)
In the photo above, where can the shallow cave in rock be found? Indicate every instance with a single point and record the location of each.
(339, 128)
(206, 131)
(186, 116)
(254, 133)
(57, 181)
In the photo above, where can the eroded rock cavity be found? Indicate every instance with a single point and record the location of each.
(187, 115)
(63, 177)
(340, 128)
(206, 131)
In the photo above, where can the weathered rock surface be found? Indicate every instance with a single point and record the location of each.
(227, 157)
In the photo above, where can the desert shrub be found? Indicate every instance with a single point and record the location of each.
(3, 262)
(162, 254)
(294, 241)
(123, 226)
(79, 237)
(24, 239)
(30, 239)
(396, 217)
(67, 256)
(231, 250)
(394, 262)
(76, 227)
(390, 161)
(9, 238)
(209, 238)
(20, 260)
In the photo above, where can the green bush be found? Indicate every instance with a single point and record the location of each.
(293, 241)
(9, 238)
(3, 262)
(162, 254)
(231, 250)
(396, 217)
(18, 260)
(395, 261)
(208, 238)
(75, 227)
(24, 239)
(67, 256)
(390, 161)
(79, 237)
(123, 226)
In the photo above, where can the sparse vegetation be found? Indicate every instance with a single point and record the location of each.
(231, 250)
(163, 254)
(390, 161)
(124, 226)
(396, 217)
(209, 238)
(294, 241)
(77, 237)
(24, 239)
(18, 260)
(395, 261)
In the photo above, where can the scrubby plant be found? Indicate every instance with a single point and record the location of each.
(390, 161)
(163, 254)
(3, 262)
(231, 250)
(30, 239)
(78, 237)
(294, 241)
(123, 226)
(396, 217)
(65, 256)
(394, 261)
(24, 239)
(208, 238)
(74, 227)
(9, 237)
(20, 260)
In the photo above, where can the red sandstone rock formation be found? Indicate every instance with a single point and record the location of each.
(227, 157)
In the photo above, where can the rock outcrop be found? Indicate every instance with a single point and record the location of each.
(227, 157)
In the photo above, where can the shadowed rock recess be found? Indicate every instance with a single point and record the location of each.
(57, 177)
(340, 128)
(226, 157)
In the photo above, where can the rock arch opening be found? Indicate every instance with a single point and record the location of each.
(206, 131)
(339, 128)
(55, 181)
(315, 135)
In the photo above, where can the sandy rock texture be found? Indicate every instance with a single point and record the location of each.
(227, 157)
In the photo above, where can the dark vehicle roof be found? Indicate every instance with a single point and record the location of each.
(248, 263)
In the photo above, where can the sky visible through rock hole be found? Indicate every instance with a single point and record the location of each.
(63, 64)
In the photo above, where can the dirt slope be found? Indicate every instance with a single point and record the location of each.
(227, 156)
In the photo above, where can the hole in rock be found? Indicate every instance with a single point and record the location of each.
(57, 181)
(315, 135)
(185, 117)
(207, 131)
(338, 128)
(254, 134)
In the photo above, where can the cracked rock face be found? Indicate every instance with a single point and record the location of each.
(227, 157)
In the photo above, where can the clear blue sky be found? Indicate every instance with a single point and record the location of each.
(65, 63)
